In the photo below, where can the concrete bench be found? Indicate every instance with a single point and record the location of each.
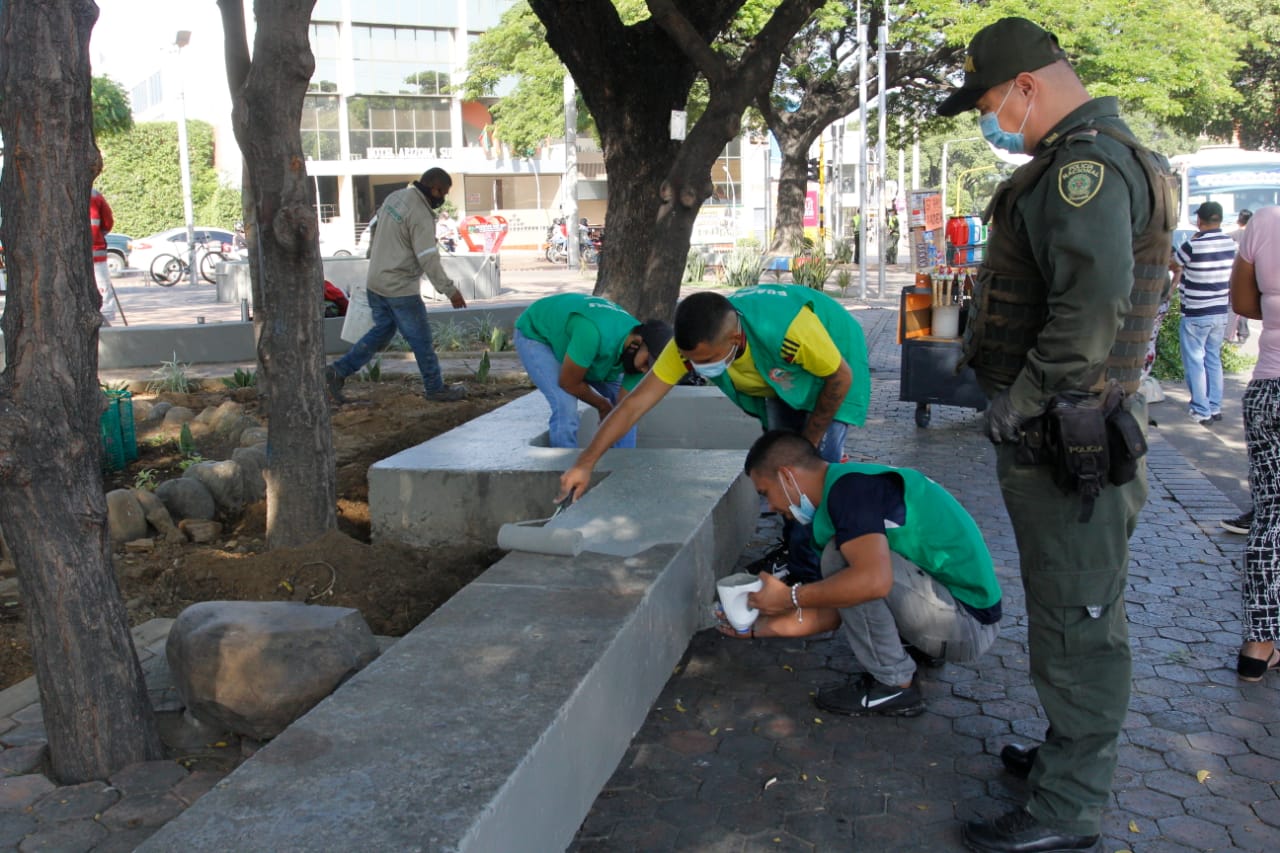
(493, 725)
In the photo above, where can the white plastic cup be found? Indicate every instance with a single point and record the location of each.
(946, 321)
(733, 591)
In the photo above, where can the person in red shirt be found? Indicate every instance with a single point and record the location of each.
(101, 221)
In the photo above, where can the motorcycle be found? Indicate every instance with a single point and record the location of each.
(590, 243)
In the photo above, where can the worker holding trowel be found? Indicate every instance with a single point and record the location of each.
(577, 347)
(790, 356)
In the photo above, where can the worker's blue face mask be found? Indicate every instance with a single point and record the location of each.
(716, 368)
(989, 125)
(803, 512)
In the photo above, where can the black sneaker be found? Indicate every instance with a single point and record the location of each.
(1018, 832)
(447, 394)
(1240, 524)
(869, 697)
(923, 659)
(776, 561)
(333, 383)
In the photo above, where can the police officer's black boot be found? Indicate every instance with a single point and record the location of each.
(1019, 760)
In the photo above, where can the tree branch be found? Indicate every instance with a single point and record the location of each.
(235, 43)
(690, 42)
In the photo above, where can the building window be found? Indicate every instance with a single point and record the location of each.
(398, 127)
(485, 14)
(324, 46)
(440, 13)
(321, 139)
(402, 60)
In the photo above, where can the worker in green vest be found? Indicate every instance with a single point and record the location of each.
(584, 348)
(901, 560)
(790, 356)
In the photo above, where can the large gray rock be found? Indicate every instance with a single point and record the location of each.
(186, 498)
(158, 516)
(253, 462)
(125, 518)
(176, 416)
(227, 413)
(224, 480)
(253, 435)
(253, 667)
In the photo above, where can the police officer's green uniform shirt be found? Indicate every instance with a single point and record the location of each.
(589, 330)
(938, 535)
(767, 312)
(1077, 221)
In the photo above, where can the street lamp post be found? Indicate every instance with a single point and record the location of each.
(182, 39)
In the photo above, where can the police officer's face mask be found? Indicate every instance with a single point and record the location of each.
(989, 125)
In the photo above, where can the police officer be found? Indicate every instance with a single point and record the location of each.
(1065, 301)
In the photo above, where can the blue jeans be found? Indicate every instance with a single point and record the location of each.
(1200, 339)
(803, 563)
(543, 367)
(391, 313)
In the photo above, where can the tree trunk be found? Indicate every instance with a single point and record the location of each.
(96, 709)
(793, 183)
(285, 265)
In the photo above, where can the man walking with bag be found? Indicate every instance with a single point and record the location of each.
(1064, 302)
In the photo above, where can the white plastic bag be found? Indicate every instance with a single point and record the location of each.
(359, 317)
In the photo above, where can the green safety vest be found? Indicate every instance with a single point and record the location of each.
(939, 536)
(547, 320)
(767, 311)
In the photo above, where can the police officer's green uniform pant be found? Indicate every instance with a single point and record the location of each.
(1080, 663)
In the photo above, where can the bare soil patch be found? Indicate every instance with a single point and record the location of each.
(393, 586)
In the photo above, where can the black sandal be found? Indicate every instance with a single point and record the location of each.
(1253, 669)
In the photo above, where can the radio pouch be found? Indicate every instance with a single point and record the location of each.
(1076, 432)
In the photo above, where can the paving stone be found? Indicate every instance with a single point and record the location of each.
(30, 715)
(124, 842)
(148, 777)
(18, 792)
(1150, 804)
(25, 735)
(1194, 832)
(5, 724)
(1255, 836)
(74, 802)
(1258, 767)
(73, 836)
(1219, 810)
(1180, 785)
(21, 760)
(14, 826)
(1218, 744)
(150, 810)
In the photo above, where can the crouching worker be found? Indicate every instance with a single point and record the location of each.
(576, 347)
(902, 561)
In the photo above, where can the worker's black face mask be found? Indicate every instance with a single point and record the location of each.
(435, 202)
(629, 359)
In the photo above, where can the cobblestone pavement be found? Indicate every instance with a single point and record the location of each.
(734, 756)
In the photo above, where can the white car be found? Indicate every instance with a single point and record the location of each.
(174, 242)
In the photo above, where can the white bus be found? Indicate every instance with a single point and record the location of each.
(1236, 179)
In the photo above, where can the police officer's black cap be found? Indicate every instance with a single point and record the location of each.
(997, 54)
(655, 334)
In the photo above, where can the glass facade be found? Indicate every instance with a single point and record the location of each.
(443, 13)
(321, 136)
(383, 127)
(401, 60)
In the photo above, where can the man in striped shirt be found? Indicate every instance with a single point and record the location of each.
(1202, 269)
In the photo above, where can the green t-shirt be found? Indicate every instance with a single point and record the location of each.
(937, 534)
(588, 330)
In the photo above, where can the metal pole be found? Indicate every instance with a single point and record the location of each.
(862, 155)
(880, 153)
(571, 167)
(184, 163)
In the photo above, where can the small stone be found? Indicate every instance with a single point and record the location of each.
(75, 802)
(224, 480)
(126, 841)
(158, 410)
(186, 498)
(253, 436)
(158, 515)
(148, 777)
(176, 416)
(18, 792)
(33, 735)
(14, 826)
(66, 836)
(22, 760)
(231, 544)
(140, 545)
(134, 603)
(196, 785)
(143, 810)
(253, 462)
(201, 532)
(125, 518)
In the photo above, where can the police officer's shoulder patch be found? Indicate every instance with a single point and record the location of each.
(1079, 181)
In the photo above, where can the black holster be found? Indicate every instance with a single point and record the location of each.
(1089, 439)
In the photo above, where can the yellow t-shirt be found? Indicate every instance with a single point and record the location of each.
(806, 345)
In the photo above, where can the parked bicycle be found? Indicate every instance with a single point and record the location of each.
(167, 270)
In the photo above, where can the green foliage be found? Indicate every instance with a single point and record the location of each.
(695, 266)
(118, 385)
(811, 270)
(1168, 363)
(142, 180)
(111, 112)
(186, 443)
(752, 242)
(742, 267)
(482, 372)
(843, 252)
(1257, 117)
(398, 343)
(844, 278)
(373, 372)
(448, 336)
(171, 376)
(192, 459)
(241, 379)
(498, 340)
(145, 480)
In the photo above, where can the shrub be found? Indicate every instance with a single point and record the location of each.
(743, 266)
(1168, 363)
(695, 266)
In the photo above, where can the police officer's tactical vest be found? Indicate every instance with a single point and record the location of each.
(1010, 304)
